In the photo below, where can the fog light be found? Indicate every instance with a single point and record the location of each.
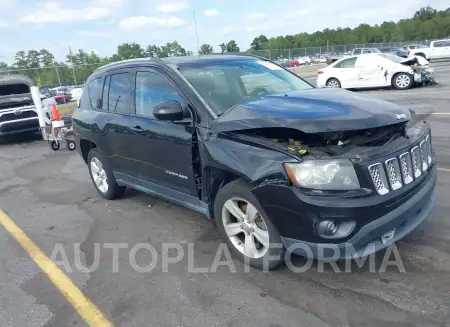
(335, 229)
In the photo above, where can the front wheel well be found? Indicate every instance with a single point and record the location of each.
(86, 146)
(213, 180)
(420, 54)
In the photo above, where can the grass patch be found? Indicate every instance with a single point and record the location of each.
(307, 69)
(67, 108)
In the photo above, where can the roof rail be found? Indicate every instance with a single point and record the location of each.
(117, 63)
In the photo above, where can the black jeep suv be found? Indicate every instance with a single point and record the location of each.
(278, 164)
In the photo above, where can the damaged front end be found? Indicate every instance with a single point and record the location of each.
(421, 70)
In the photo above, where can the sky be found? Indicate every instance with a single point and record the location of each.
(100, 25)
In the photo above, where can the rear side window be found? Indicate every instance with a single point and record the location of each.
(119, 93)
(367, 51)
(95, 90)
(346, 63)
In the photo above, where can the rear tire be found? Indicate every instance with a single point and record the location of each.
(334, 83)
(402, 81)
(102, 175)
(251, 237)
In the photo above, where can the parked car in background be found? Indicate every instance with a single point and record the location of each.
(414, 46)
(401, 52)
(76, 93)
(439, 49)
(304, 60)
(375, 70)
(355, 52)
(60, 98)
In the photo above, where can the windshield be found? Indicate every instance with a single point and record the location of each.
(225, 84)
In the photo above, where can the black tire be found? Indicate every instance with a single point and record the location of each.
(71, 145)
(332, 81)
(396, 81)
(241, 189)
(55, 145)
(114, 190)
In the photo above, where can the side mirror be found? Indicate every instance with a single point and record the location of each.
(168, 111)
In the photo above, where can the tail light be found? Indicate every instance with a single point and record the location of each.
(320, 72)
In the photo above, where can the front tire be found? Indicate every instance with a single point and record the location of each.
(102, 176)
(245, 227)
(402, 81)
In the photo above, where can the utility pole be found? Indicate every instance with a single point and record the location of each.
(196, 34)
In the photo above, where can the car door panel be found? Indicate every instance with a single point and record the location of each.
(164, 150)
(116, 104)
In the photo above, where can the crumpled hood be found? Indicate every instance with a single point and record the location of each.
(312, 111)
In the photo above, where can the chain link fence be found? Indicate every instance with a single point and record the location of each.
(77, 74)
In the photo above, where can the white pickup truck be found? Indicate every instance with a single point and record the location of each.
(439, 49)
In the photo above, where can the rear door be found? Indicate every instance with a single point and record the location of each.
(120, 136)
(163, 150)
(346, 72)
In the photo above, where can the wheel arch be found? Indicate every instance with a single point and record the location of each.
(85, 147)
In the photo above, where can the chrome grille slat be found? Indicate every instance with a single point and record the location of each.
(430, 151)
(402, 170)
(379, 178)
(416, 162)
(424, 155)
(406, 167)
(393, 173)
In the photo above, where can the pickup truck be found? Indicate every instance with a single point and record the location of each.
(439, 49)
(18, 113)
(355, 52)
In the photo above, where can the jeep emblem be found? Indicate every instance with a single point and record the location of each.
(400, 116)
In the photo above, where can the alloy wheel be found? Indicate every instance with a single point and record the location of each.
(333, 83)
(402, 81)
(99, 175)
(245, 227)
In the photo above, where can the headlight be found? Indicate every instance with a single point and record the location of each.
(323, 174)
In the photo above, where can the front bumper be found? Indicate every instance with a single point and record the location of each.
(368, 239)
(21, 126)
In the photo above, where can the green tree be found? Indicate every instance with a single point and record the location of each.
(128, 51)
(259, 42)
(206, 49)
(223, 47)
(232, 46)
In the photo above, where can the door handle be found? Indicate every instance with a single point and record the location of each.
(137, 129)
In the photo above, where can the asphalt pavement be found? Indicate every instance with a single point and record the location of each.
(49, 195)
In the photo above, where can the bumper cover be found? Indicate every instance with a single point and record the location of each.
(368, 239)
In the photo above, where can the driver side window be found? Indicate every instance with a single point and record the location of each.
(153, 89)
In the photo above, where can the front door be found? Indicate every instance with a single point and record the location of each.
(164, 150)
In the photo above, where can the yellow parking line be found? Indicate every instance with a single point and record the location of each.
(85, 308)
(447, 170)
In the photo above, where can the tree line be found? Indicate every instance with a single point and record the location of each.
(426, 24)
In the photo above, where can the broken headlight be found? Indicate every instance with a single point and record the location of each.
(336, 174)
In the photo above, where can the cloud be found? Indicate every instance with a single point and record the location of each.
(52, 12)
(295, 14)
(94, 34)
(169, 7)
(257, 15)
(211, 12)
(135, 22)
